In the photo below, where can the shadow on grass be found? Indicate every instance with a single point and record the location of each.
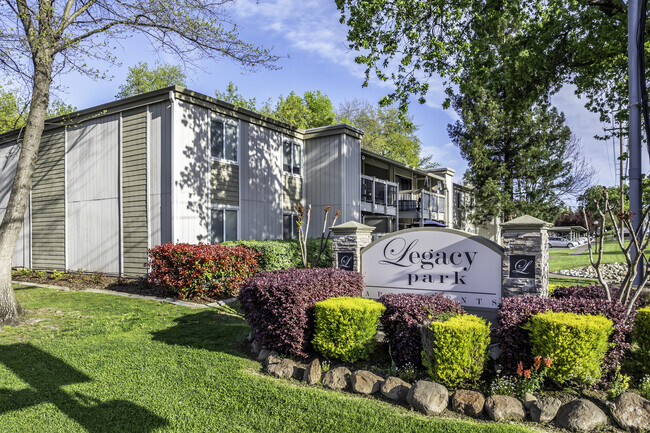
(219, 330)
(46, 375)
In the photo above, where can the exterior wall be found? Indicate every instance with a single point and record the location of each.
(332, 176)
(134, 191)
(291, 192)
(261, 186)
(224, 183)
(8, 161)
(93, 190)
(190, 174)
(48, 204)
(159, 175)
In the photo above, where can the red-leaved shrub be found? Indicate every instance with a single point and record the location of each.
(402, 319)
(516, 311)
(190, 271)
(279, 305)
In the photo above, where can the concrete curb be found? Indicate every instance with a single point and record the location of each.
(173, 301)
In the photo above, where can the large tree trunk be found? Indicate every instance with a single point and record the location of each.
(13, 218)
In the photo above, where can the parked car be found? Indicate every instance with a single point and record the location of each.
(561, 243)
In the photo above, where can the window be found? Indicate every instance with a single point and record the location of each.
(289, 226)
(223, 225)
(223, 140)
(291, 157)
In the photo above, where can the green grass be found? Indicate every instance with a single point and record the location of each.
(103, 363)
(559, 281)
(560, 258)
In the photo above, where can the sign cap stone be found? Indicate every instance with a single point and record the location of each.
(526, 222)
(351, 227)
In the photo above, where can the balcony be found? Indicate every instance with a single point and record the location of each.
(378, 196)
(421, 204)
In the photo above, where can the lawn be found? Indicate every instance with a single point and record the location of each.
(561, 258)
(102, 363)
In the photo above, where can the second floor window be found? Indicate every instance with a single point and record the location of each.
(223, 140)
(291, 158)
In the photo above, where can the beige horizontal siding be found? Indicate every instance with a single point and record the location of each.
(48, 204)
(291, 192)
(224, 184)
(134, 191)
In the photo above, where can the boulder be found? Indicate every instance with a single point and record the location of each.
(272, 358)
(544, 409)
(395, 389)
(313, 372)
(504, 408)
(285, 369)
(255, 348)
(336, 378)
(430, 398)
(580, 415)
(631, 412)
(365, 382)
(263, 354)
(529, 399)
(467, 402)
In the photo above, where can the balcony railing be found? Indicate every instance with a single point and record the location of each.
(378, 196)
(418, 203)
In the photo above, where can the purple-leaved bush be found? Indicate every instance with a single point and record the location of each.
(279, 305)
(514, 313)
(402, 319)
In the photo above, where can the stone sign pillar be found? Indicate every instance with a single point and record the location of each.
(347, 241)
(525, 257)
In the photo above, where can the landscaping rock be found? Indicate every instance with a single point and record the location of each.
(632, 412)
(337, 378)
(264, 353)
(272, 358)
(285, 369)
(395, 389)
(544, 409)
(365, 382)
(313, 372)
(580, 415)
(430, 398)
(529, 399)
(504, 408)
(255, 348)
(467, 402)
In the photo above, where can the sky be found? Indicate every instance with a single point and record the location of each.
(314, 56)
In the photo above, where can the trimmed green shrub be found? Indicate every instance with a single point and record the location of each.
(576, 343)
(285, 254)
(642, 336)
(346, 327)
(455, 351)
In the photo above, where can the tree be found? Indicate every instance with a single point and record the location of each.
(313, 110)
(141, 79)
(385, 132)
(39, 40)
(13, 111)
(232, 96)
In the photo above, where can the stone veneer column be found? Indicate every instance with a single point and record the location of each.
(347, 241)
(525, 239)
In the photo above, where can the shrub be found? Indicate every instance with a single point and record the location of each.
(279, 305)
(455, 350)
(404, 315)
(503, 385)
(346, 327)
(516, 311)
(576, 343)
(642, 337)
(644, 387)
(189, 271)
(285, 254)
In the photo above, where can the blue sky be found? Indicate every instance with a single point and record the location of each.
(312, 43)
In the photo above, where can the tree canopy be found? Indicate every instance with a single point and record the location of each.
(141, 79)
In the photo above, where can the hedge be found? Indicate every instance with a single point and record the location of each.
(516, 311)
(455, 350)
(576, 344)
(285, 254)
(401, 322)
(279, 305)
(346, 327)
(642, 337)
(190, 271)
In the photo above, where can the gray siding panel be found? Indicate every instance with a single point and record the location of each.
(134, 191)
(48, 204)
(92, 187)
(224, 183)
(261, 186)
